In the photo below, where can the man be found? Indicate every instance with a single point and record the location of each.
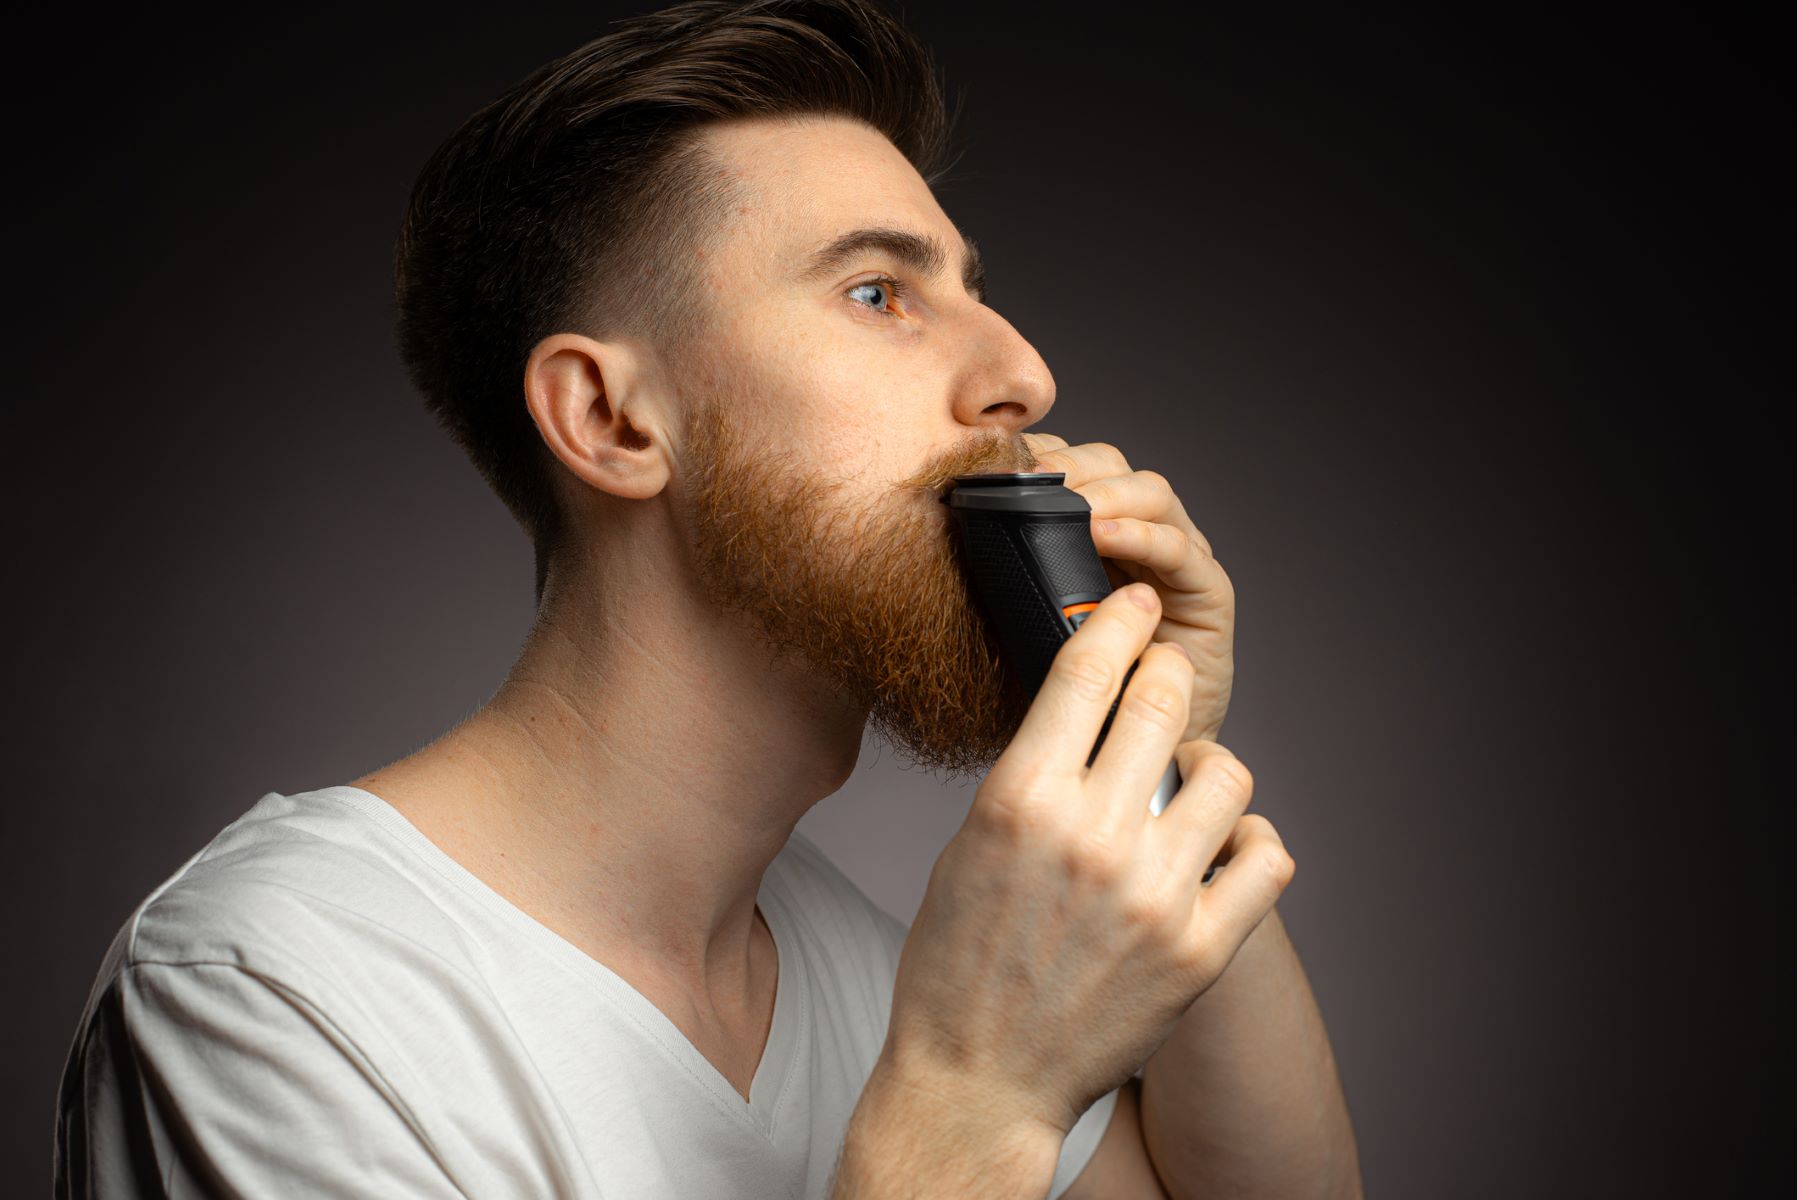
(686, 298)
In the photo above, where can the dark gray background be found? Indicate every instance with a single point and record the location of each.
(1447, 333)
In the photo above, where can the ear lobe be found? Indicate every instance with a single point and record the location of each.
(591, 405)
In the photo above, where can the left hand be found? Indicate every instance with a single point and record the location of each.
(1154, 542)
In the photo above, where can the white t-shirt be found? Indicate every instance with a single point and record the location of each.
(321, 1002)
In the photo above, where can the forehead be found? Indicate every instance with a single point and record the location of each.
(806, 179)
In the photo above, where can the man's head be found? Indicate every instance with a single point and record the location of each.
(584, 198)
(663, 298)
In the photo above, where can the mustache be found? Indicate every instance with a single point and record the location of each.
(976, 456)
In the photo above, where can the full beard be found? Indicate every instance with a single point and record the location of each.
(874, 599)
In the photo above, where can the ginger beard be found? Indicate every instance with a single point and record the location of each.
(873, 597)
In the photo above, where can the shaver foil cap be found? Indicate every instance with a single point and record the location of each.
(1016, 491)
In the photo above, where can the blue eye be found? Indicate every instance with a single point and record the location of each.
(892, 286)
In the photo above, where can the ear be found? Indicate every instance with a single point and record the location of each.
(590, 402)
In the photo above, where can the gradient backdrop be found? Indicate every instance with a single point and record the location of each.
(1446, 333)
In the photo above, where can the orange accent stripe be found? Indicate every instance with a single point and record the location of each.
(1088, 606)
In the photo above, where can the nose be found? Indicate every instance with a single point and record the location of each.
(1003, 382)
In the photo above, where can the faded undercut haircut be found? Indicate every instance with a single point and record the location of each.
(577, 202)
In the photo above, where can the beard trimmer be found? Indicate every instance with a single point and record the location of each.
(1035, 570)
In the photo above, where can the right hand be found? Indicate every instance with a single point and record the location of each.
(1065, 928)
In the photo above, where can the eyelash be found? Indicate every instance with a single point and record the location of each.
(895, 290)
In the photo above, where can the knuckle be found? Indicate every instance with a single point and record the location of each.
(1268, 848)
(1013, 804)
(1145, 913)
(1288, 868)
(1196, 957)
(1155, 478)
(1279, 865)
(1089, 676)
(1001, 813)
(1161, 705)
(1090, 859)
(1231, 776)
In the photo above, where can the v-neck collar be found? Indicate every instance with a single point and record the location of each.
(773, 1074)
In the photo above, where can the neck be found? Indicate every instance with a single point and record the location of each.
(633, 777)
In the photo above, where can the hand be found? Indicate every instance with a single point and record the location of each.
(1065, 928)
(1157, 544)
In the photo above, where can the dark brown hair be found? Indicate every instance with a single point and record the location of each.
(576, 202)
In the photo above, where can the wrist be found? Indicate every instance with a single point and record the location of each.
(935, 1129)
(908, 1069)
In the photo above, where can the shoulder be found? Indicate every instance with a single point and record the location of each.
(295, 887)
(299, 944)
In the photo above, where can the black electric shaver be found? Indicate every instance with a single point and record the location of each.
(1036, 572)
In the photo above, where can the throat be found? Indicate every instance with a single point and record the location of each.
(736, 1045)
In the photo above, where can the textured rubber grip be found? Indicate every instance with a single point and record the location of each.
(1027, 619)
(1068, 559)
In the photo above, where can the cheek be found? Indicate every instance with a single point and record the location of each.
(856, 442)
(832, 392)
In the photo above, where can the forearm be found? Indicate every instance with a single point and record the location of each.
(908, 1138)
(1243, 1099)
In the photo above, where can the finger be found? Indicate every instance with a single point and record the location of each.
(1145, 495)
(1197, 823)
(1151, 718)
(1240, 896)
(1180, 561)
(1056, 735)
(1082, 463)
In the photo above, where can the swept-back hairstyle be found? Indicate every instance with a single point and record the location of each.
(576, 202)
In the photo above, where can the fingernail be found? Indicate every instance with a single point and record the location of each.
(1105, 525)
(1181, 649)
(1141, 595)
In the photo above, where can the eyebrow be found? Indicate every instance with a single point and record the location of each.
(921, 252)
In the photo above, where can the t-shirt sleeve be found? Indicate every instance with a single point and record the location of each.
(1082, 1140)
(209, 1079)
